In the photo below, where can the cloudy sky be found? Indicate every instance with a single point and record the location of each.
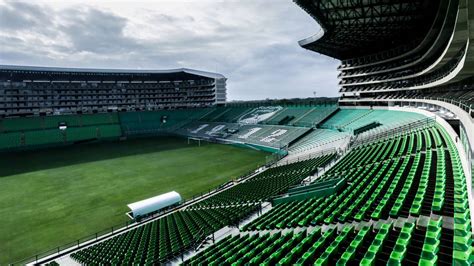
(252, 42)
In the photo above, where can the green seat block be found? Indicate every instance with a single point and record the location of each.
(428, 259)
(368, 259)
(320, 262)
(305, 257)
(462, 257)
(431, 245)
(285, 261)
(345, 258)
(462, 242)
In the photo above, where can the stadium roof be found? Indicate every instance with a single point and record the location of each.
(17, 72)
(362, 27)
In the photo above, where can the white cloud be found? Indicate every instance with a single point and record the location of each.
(252, 42)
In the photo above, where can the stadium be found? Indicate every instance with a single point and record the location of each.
(145, 167)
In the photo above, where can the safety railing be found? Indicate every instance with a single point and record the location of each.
(307, 156)
(419, 124)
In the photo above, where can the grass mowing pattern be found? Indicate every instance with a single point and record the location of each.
(52, 197)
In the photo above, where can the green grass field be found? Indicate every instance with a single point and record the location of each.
(52, 197)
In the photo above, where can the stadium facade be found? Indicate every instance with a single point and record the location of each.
(413, 53)
(26, 90)
(396, 47)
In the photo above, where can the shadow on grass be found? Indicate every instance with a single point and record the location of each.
(12, 163)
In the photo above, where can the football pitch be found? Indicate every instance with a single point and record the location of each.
(53, 197)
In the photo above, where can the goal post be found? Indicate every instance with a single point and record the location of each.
(193, 139)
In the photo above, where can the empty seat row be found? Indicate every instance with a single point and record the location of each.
(400, 145)
(149, 122)
(227, 114)
(385, 243)
(317, 138)
(315, 116)
(269, 183)
(412, 185)
(288, 115)
(462, 222)
(159, 240)
(351, 119)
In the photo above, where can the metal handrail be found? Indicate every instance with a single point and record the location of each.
(308, 156)
(423, 123)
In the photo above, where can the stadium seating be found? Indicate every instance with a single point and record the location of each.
(411, 174)
(385, 244)
(225, 114)
(462, 223)
(211, 114)
(351, 119)
(399, 145)
(263, 135)
(142, 123)
(392, 178)
(345, 117)
(412, 81)
(461, 94)
(26, 131)
(317, 138)
(465, 95)
(160, 240)
(268, 183)
(314, 116)
(289, 115)
(232, 115)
